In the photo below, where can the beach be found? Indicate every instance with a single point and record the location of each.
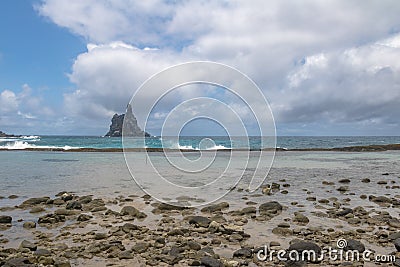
(84, 209)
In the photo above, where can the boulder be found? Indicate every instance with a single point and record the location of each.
(272, 207)
(5, 219)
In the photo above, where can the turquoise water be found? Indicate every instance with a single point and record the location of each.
(190, 142)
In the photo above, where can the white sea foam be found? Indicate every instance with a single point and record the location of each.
(20, 145)
(30, 137)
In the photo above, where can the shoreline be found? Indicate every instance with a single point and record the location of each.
(368, 148)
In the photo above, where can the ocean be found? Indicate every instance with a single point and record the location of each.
(193, 142)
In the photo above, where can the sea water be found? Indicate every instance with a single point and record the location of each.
(194, 142)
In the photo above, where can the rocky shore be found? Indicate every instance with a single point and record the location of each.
(84, 230)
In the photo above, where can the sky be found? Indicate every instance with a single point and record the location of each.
(325, 67)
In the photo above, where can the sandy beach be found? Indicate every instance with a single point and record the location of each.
(309, 201)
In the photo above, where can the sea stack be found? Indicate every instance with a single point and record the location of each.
(130, 125)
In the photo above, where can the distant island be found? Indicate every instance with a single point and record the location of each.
(2, 134)
(131, 128)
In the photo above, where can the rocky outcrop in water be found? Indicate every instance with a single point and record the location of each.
(2, 134)
(130, 125)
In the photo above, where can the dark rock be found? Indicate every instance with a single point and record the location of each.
(29, 245)
(67, 196)
(380, 199)
(215, 207)
(132, 211)
(29, 225)
(35, 201)
(354, 245)
(18, 262)
(125, 255)
(210, 262)
(74, 205)
(199, 221)
(243, 253)
(344, 212)
(270, 207)
(100, 236)
(306, 246)
(36, 210)
(394, 236)
(344, 181)
(366, 180)
(4, 135)
(343, 189)
(51, 218)
(140, 247)
(397, 244)
(12, 196)
(65, 212)
(282, 231)
(193, 245)
(125, 123)
(42, 252)
(84, 217)
(128, 227)
(5, 219)
(300, 218)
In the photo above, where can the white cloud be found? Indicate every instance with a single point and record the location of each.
(24, 108)
(330, 61)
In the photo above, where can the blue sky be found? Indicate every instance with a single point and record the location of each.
(67, 66)
(35, 51)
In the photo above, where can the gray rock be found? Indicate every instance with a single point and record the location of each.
(19, 262)
(199, 221)
(51, 218)
(344, 212)
(36, 210)
(397, 244)
(84, 217)
(129, 227)
(210, 262)
(74, 205)
(305, 245)
(300, 218)
(354, 245)
(99, 236)
(5, 219)
(35, 201)
(132, 211)
(42, 252)
(343, 189)
(140, 247)
(29, 225)
(394, 236)
(125, 255)
(29, 245)
(193, 245)
(216, 207)
(243, 253)
(270, 207)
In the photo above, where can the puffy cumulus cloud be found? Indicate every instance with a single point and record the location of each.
(325, 62)
(106, 77)
(106, 21)
(357, 85)
(21, 109)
